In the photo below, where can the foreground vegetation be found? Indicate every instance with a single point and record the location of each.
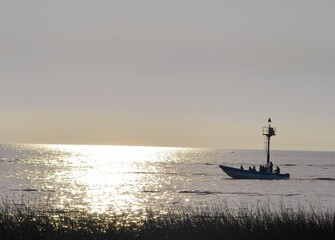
(26, 222)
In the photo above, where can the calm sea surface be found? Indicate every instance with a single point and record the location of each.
(132, 179)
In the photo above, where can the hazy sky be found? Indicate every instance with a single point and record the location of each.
(168, 73)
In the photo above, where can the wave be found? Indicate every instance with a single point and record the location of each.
(292, 194)
(32, 190)
(246, 193)
(154, 173)
(151, 191)
(25, 190)
(321, 166)
(10, 160)
(324, 178)
(199, 192)
(315, 178)
(206, 164)
(169, 173)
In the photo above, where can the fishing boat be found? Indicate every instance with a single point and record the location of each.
(265, 171)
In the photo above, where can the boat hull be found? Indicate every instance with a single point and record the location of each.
(249, 174)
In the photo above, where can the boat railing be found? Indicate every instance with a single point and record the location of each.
(269, 131)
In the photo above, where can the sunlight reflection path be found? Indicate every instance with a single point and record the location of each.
(110, 178)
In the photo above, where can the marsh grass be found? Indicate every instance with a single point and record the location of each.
(261, 222)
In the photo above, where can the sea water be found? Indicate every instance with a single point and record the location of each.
(122, 179)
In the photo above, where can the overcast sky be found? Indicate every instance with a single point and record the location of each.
(168, 73)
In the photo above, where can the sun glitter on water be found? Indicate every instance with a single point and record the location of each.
(106, 178)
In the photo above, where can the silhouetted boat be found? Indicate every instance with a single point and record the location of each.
(265, 172)
(250, 174)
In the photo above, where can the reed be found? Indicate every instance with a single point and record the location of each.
(261, 222)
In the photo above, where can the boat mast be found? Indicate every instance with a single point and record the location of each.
(268, 132)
